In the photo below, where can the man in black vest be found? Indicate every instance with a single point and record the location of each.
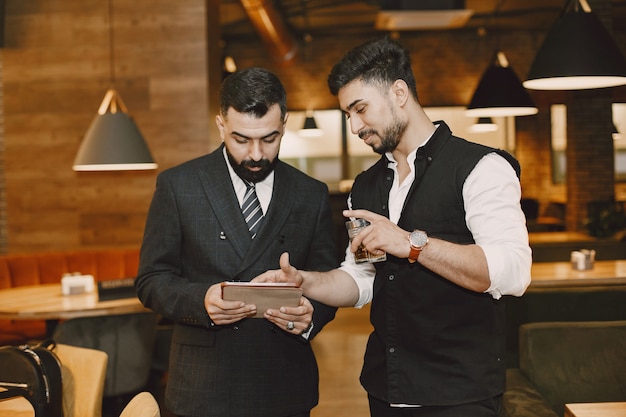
(447, 213)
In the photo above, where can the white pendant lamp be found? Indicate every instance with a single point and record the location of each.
(113, 142)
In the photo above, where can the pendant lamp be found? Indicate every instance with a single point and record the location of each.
(500, 93)
(615, 133)
(229, 67)
(309, 128)
(578, 53)
(113, 142)
(483, 124)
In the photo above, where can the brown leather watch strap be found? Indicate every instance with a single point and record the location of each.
(414, 254)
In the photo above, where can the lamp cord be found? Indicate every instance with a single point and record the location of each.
(496, 11)
(111, 45)
(576, 6)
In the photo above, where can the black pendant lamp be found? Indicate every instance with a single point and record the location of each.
(113, 142)
(578, 53)
(309, 128)
(483, 125)
(500, 93)
(615, 133)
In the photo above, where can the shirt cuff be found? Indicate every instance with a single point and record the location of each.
(509, 274)
(307, 332)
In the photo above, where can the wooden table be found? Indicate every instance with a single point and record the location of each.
(561, 274)
(560, 237)
(557, 246)
(46, 302)
(596, 410)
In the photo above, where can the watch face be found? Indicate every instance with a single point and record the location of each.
(418, 238)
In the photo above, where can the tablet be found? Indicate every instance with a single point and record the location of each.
(263, 294)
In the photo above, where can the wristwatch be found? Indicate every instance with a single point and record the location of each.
(418, 239)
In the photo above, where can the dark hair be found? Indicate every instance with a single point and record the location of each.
(253, 90)
(379, 62)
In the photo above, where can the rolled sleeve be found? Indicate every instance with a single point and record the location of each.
(505, 277)
(363, 275)
(492, 195)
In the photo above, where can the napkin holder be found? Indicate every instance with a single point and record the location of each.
(583, 259)
(77, 284)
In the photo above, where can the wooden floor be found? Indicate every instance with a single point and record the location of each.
(339, 350)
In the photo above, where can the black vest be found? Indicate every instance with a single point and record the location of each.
(434, 343)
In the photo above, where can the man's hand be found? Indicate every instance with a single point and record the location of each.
(223, 311)
(300, 317)
(286, 273)
(382, 235)
(334, 288)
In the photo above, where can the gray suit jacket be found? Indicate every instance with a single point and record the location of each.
(196, 236)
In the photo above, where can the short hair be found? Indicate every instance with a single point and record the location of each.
(252, 91)
(378, 62)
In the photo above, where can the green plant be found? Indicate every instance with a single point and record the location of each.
(605, 218)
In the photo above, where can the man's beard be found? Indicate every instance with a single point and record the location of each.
(243, 171)
(390, 137)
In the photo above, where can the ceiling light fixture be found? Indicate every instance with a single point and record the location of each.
(483, 124)
(578, 53)
(500, 93)
(411, 15)
(390, 20)
(309, 128)
(230, 65)
(113, 142)
(615, 133)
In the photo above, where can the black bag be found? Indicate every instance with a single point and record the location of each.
(33, 372)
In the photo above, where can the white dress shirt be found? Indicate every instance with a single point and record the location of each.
(491, 196)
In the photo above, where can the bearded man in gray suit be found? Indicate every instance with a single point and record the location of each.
(222, 361)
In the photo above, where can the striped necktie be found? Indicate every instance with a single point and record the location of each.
(251, 209)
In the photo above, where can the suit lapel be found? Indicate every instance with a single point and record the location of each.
(221, 196)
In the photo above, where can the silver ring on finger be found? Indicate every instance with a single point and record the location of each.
(290, 325)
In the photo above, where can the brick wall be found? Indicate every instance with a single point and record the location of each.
(447, 68)
(590, 164)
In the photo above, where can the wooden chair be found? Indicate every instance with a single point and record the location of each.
(128, 340)
(142, 405)
(84, 372)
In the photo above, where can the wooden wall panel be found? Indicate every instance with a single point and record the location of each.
(57, 69)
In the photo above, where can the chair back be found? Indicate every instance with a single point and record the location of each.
(571, 362)
(142, 405)
(128, 340)
(84, 372)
